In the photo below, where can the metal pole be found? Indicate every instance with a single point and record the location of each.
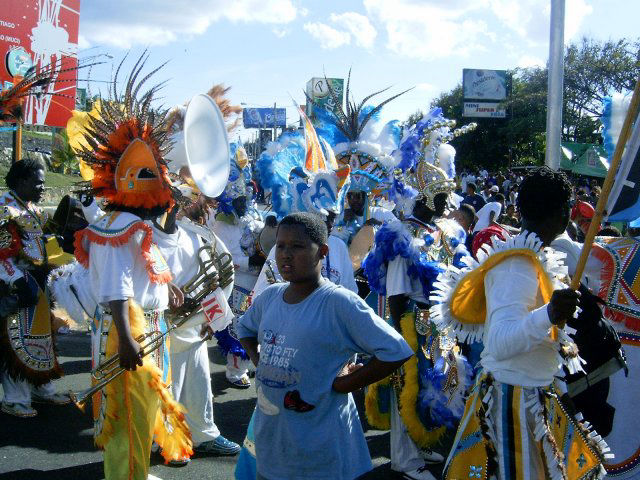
(17, 143)
(554, 89)
(275, 131)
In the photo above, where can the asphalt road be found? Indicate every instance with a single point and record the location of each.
(58, 443)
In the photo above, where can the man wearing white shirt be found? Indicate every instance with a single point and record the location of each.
(180, 243)
(523, 338)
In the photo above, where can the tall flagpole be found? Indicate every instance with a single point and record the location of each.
(554, 89)
(625, 132)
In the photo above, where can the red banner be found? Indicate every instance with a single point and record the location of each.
(39, 33)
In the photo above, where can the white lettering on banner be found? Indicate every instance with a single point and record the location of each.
(7, 24)
(7, 38)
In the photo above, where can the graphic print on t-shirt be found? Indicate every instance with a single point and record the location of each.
(275, 369)
(292, 401)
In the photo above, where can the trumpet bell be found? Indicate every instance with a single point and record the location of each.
(206, 145)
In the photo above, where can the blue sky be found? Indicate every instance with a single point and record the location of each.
(266, 50)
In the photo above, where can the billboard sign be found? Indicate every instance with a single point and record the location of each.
(318, 90)
(483, 110)
(39, 33)
(484, 84)
(264, 117)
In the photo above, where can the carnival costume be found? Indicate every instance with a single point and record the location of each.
(240, 235)
(618, 261)
(515, 423)
(126, 148)
(360, 141)
(27, 353)
(297, 187)
(406, 259)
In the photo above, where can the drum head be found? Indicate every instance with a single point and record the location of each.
(361, 245)
(267, 239)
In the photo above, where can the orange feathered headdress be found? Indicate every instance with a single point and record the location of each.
(127, 144)
(35, 83)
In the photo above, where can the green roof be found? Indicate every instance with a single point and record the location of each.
(584, 159)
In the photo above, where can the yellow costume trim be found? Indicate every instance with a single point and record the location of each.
(376, 418)
(168, 426)
(409, 395)
(468, 302)
(459, 296)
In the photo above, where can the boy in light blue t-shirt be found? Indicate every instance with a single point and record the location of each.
(306, 423)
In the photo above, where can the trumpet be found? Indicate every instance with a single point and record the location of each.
(215, 270)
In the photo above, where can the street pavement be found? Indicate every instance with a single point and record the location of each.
(58, 443)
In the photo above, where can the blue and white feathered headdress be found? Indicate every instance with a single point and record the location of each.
(293, 187)
(358, 140)
(237, 186)
(426, 159)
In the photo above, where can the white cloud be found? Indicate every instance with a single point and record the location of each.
(575, 12)
(530, 61)
(357, 25)
(429, 29)
(126, 23)
(426, 88)
(280, 32)
(530, 18)
(328, 37)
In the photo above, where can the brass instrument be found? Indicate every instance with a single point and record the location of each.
(215, 270)
(203, 147)
(110, 369)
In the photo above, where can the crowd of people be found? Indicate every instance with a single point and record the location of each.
(375, 266)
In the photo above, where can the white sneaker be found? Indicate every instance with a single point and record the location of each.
(420, 473)
(431, 456)
(153, 477)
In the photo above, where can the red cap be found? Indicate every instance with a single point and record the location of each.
(583, 209)
(483, 237)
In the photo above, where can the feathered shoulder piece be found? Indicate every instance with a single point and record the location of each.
(459, 292)
(275, 165)
(395, 239)
(127, 144)
(283, 168)
(36, 83)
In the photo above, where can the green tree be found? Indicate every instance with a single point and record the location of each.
(63, 158)
(592, 70)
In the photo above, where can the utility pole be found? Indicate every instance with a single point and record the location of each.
(17, 143)
(555, 86)
(275, 123)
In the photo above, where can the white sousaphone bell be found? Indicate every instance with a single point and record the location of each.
(203, 146)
